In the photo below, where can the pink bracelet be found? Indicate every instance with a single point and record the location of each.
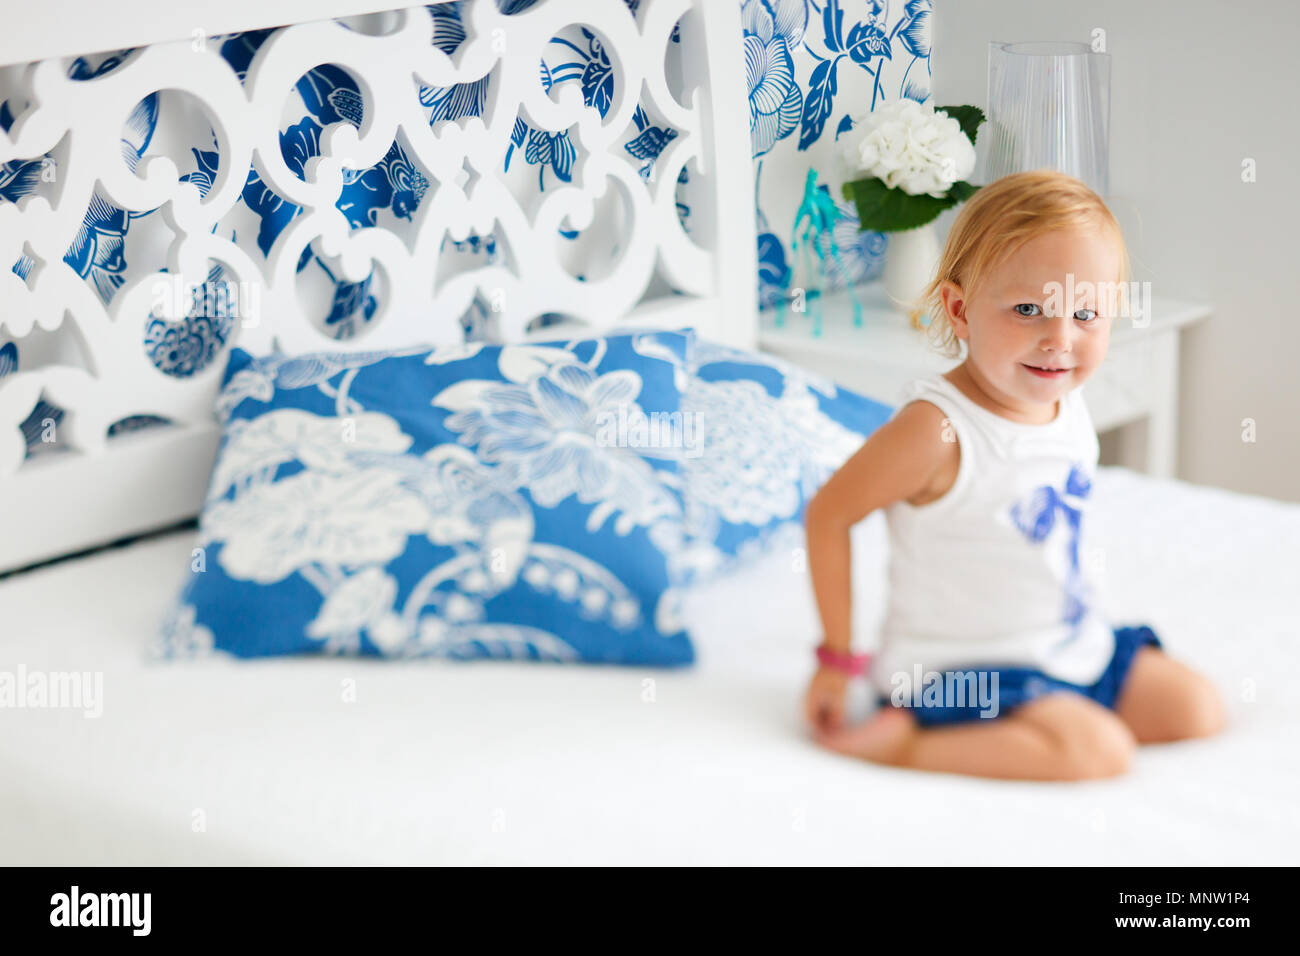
(852, 664)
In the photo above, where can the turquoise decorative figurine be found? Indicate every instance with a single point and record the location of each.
(817, 215)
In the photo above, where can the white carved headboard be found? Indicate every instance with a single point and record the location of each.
(86, 353)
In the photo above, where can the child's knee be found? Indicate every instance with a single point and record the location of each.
(1098, 746)
(1202, 713)
(1110, 758)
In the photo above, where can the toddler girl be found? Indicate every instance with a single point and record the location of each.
(995, 656)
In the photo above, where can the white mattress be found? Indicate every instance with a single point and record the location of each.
(503, 763)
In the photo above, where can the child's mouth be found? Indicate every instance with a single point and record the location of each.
(1046, 372)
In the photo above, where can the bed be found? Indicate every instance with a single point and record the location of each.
(264, 763)
(349, 761)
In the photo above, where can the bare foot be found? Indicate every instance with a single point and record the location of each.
(883, 738)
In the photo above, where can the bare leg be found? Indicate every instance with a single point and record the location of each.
(1164, 699)
(1061, 736)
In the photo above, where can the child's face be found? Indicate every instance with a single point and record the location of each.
(1014, 321)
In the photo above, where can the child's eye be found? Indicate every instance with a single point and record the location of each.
(1029, 310)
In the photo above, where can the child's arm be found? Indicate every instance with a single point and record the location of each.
(901, 460)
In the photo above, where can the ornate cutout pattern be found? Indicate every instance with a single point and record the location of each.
(405, 148)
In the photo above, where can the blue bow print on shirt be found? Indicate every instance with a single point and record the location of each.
(1036, 516)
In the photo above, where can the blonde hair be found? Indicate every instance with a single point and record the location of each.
(993, 224)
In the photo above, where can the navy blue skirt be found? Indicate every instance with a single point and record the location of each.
(1012, 686)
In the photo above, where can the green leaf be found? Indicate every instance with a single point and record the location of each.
(970, 118)
(962, 190)
(883, 209)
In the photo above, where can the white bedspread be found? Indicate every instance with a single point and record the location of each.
(265, 762)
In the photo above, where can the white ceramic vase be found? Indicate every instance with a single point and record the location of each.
(910, 261)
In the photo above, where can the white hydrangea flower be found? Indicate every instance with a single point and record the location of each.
(909, 146)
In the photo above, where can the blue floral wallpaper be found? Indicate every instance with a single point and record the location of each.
(810, 67)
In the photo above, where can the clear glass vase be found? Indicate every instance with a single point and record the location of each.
(1049, 108)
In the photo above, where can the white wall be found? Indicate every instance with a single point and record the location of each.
(1197, 86)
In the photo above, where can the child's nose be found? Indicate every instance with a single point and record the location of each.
(1057, 332)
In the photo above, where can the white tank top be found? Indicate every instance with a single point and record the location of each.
(997, 572)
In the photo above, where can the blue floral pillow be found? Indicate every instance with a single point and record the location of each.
(465, 502)
(772, 434)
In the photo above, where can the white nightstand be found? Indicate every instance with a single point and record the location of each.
(1135, 390)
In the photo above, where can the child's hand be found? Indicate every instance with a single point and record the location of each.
(824, 702)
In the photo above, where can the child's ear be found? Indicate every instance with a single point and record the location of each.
(954, 303)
